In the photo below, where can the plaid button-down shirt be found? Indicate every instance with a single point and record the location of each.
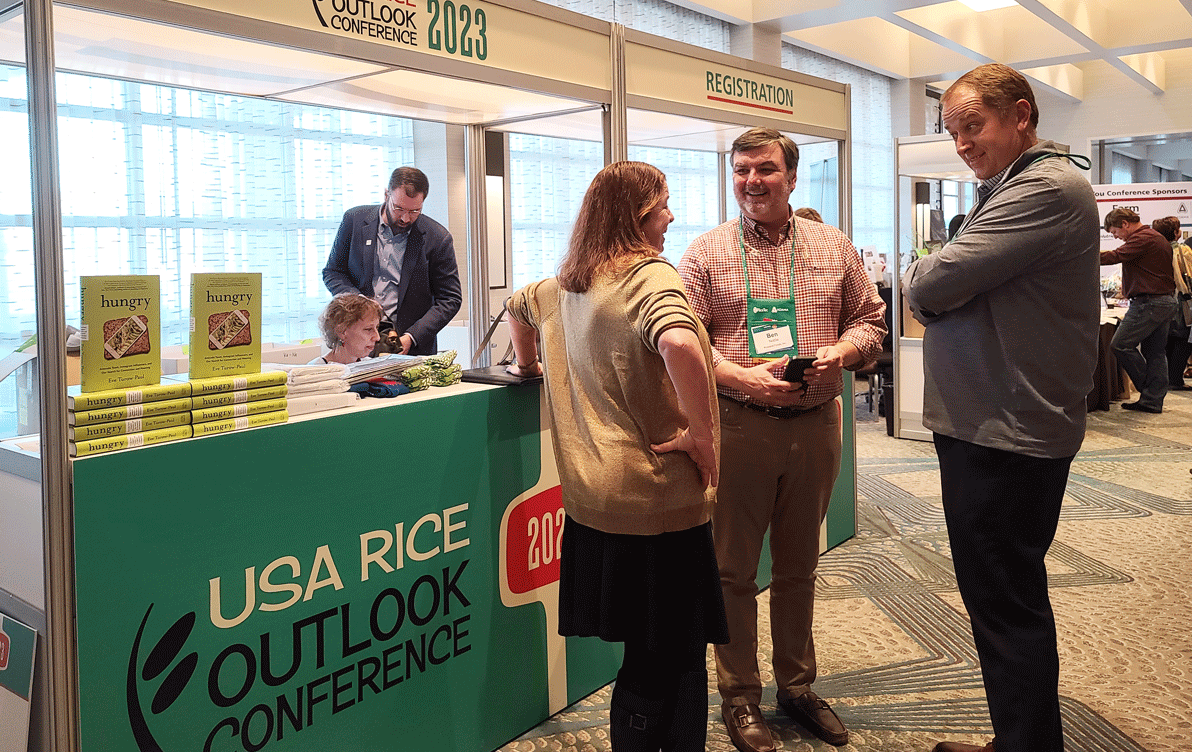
(834, 299)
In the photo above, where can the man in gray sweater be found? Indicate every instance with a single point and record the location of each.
(1011, 308)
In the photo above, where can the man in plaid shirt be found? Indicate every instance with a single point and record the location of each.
(781, 440)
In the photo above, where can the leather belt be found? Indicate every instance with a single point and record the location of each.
(773, 410)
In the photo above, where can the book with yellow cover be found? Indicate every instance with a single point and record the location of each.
(201, 401)
(238, 424)
(120, 332)
(129, 441)
(225, 324)
(122, 427)
(128, 412)
(236, 383)
(239, 410)
(117, 397)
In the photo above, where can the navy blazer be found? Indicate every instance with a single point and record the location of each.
(429, 291)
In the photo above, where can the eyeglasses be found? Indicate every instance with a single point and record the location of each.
(401, 213)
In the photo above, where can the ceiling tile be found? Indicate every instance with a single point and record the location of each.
(1009, 35)
(900, 54)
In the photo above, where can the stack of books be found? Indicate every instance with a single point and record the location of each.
(124, 418)
(233, 403)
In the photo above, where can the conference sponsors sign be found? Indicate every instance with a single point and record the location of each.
(1150, 201)
(673, 77)
(466, 30)
(259, 591)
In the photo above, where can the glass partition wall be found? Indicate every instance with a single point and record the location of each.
(22, 515)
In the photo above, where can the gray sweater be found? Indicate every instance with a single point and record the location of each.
(1012, 309)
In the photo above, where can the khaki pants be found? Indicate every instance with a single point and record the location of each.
(775, 473)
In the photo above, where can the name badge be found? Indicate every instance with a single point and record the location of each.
(768, 338)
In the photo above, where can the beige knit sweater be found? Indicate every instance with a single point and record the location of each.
(610, 397)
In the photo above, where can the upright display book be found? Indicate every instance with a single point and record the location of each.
(128, 412)
(225, 324)
(117, 397)
(237, 383)
(120, 332)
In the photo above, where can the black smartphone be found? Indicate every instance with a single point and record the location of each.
(795, 368)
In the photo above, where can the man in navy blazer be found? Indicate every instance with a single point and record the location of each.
(405, 260)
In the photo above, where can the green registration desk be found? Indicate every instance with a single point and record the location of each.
(383, 578)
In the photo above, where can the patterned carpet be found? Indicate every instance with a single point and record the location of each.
(895, 653)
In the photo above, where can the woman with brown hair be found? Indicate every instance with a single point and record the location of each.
(632, 403)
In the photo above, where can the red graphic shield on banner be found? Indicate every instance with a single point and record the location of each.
(533, 534)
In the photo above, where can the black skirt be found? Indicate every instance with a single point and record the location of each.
(663, 589)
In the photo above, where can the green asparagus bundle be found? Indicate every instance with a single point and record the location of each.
(443, 360)
(412, 374)
(435, 370)
(446, 376)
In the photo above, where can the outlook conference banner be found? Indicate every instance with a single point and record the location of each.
(385, 579)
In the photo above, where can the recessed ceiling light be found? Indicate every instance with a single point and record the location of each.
(983, 5)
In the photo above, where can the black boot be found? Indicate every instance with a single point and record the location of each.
(687, 730)
(635, 723)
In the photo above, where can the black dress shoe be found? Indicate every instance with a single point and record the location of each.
(813, 714)
(959, 747)
(746, 727)
(1139, 407)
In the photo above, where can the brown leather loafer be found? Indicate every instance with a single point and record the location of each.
(960, 747)
(813, 714)
(746, 726)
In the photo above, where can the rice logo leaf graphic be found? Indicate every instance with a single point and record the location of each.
(174, 683)
(159, 659)
(168, 647)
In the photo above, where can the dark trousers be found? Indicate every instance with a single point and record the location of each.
(1178, 351)
(1140, 345)
(1002, 509)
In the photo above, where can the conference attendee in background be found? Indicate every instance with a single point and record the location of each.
(1178, 345)
(1140, 342)
(769, 286)
(633, 413)
(1011, 307)
(404, 259)
(806, 212)
(349, 327)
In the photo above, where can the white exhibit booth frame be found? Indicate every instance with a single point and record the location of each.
(534, 67)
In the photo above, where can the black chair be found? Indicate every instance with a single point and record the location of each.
(880, 372)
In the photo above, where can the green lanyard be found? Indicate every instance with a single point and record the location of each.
(769, 322)
(1079, 160)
